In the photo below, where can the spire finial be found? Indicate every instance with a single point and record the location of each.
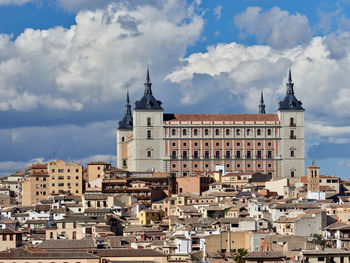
(262, 105)
(127, 97)
(290, 76)
(148, 84)
(290, 84)
(127, 104)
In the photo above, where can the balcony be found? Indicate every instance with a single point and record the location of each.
(292, 137)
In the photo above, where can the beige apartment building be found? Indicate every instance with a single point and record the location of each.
(95, 173)
(65, 178)
(35, 186)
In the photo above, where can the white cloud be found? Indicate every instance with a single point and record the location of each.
(217, 11)
(94, 61)
(321, 79)
(275, 27)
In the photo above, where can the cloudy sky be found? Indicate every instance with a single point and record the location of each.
(65, 66)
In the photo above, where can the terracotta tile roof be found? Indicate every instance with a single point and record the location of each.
(34, 253)
(95, 196)
(98, 163)
(128, 253)
(9, 231)
(220, 117)
(265, 254)
(37, 166)
(67, 244)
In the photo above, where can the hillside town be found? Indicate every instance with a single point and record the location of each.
(187, 188)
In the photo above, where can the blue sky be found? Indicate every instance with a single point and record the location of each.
(65, 66)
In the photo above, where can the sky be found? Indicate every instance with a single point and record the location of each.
(65, 67)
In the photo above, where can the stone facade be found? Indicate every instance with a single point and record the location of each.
(181, 144)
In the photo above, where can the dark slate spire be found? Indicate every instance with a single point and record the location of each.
(290, 84)
(290, 102)
(126, 122)
(262, 105)
(148, 84)
(148, 102)
(51, 223)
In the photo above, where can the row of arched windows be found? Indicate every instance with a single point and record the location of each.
(227, 132)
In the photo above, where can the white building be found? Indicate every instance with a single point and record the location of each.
(150, 140)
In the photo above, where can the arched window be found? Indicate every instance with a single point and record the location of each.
(269, 132)
(173, 132)
(206, 132)
(184, 132)
(248, 132)
(217, 132)
(238, 132)
(195, 132)
(312, 174)
(123, 139)
(227, 132)
(258, 132)
(315, 173)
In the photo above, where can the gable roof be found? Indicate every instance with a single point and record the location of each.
(220, 117)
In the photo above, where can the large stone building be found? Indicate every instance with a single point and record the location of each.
(150, 140)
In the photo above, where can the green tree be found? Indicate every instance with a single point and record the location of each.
(240, 254)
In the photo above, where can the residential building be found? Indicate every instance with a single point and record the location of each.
(65, 178)
(35, 185)
(192, 184)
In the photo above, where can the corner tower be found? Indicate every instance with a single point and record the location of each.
(291, 116)
(124, 134)
(148, 131)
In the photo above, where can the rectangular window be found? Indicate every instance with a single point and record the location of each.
(258, 155)
(173, 154)
(292, 134)
(149, 153)
(184, 155)
(149, 134)
(217, 154)
(61, 170)
(206, 154)
(228, 154)
(195, 155)
(249, 154)
(292, 123)
(238, 154)
(124, 164)
(269, 154)
(149, 122)
(291, 153)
